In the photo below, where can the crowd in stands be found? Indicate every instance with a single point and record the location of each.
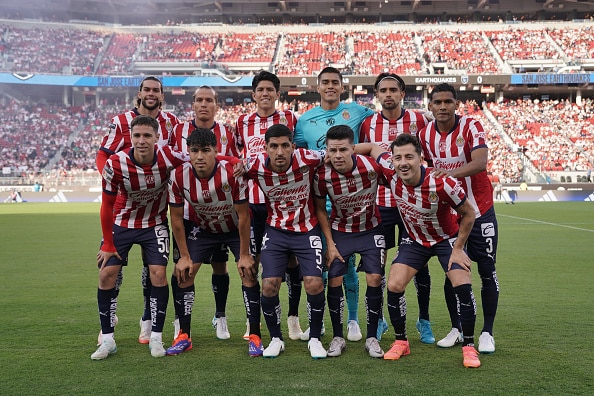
(409, 52)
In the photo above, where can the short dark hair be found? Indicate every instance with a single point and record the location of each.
(340, 132)
(406, 138)
(389, 76)
(278, 130)
(266, 76)
(145, 120)
(330, 70)
(150, 78)
(216, 94)
(443, 87)
(201, 137)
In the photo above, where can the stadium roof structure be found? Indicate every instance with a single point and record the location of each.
(293, 11)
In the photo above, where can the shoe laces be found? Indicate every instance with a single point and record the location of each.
(470, 353)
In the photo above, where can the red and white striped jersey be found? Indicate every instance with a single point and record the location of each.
(378, 129)
(212, 198)
(141, 189)
(352, 194)
(250, 130)
(288, 194)
(226, 144)
(426, 209)
(453, 149)
(117, 137)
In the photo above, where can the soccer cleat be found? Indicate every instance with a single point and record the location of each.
(305, 334)
(397, 349)
(156, 348)
(246, 336)
(425, 331)
(382, 328)
(107, 347)
(471, 357)
(274, 349)
(373, 347)
(337, 345)
(255, 347)
(220, 325)
(100, 337)
(176, 329)
(181, 344)
(353, 331)
(294, 328)
(486, 343)
(145, 331)
(316, 349)
(454, 337)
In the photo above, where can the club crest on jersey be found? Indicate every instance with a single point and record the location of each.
(206, 194)
(413, 128)
(304, 169)
(459, 141)
(392, 132)
(224, 140)
(149, 179)
(433, 198)
(283, 120)
(346, 115)
(226, 187)
(169, 125)
(372, 175)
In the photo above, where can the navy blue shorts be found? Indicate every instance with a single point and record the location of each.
(220, 255)
(482, 241)
(416, 255)
(154, 242)
(390, 217)
(278, 245)
(204, 245)
(259, 214)
(369, 244)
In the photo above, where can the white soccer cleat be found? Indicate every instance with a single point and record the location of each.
(274, 349)
(337, 345)
(373, 347)
(353, 331)
(305, 334)
(100, 337)
(316, 349)
(145, 331)
(454, 337)
(156, 347)
(486, 343)
(107, 347)
(295, 331)
(220, 325)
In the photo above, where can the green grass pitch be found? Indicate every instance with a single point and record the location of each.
(544, 327)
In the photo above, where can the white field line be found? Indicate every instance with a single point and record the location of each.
(546, 222)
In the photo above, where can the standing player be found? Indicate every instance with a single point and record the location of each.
(149, 101)
(382, 128)
(425, 202)
(250, 129)
(219, 201)
(134, 211)
(310, 132)
(205, 106)
(285, 176)
(350, 182)
(457, 147)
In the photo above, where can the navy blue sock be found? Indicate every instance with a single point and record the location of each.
(336, 308)
(452, 304)
(183, 301)
(159, 300)
(146, 292)
(489, 295)
(251, 299)
(422, 282)
(315, 311)
(373, 308)
(467, 306)
(293, 280)
(107, 301)
(397, 312)
(220, 288)
(271, 310)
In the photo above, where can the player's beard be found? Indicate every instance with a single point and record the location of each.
(153, 107)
